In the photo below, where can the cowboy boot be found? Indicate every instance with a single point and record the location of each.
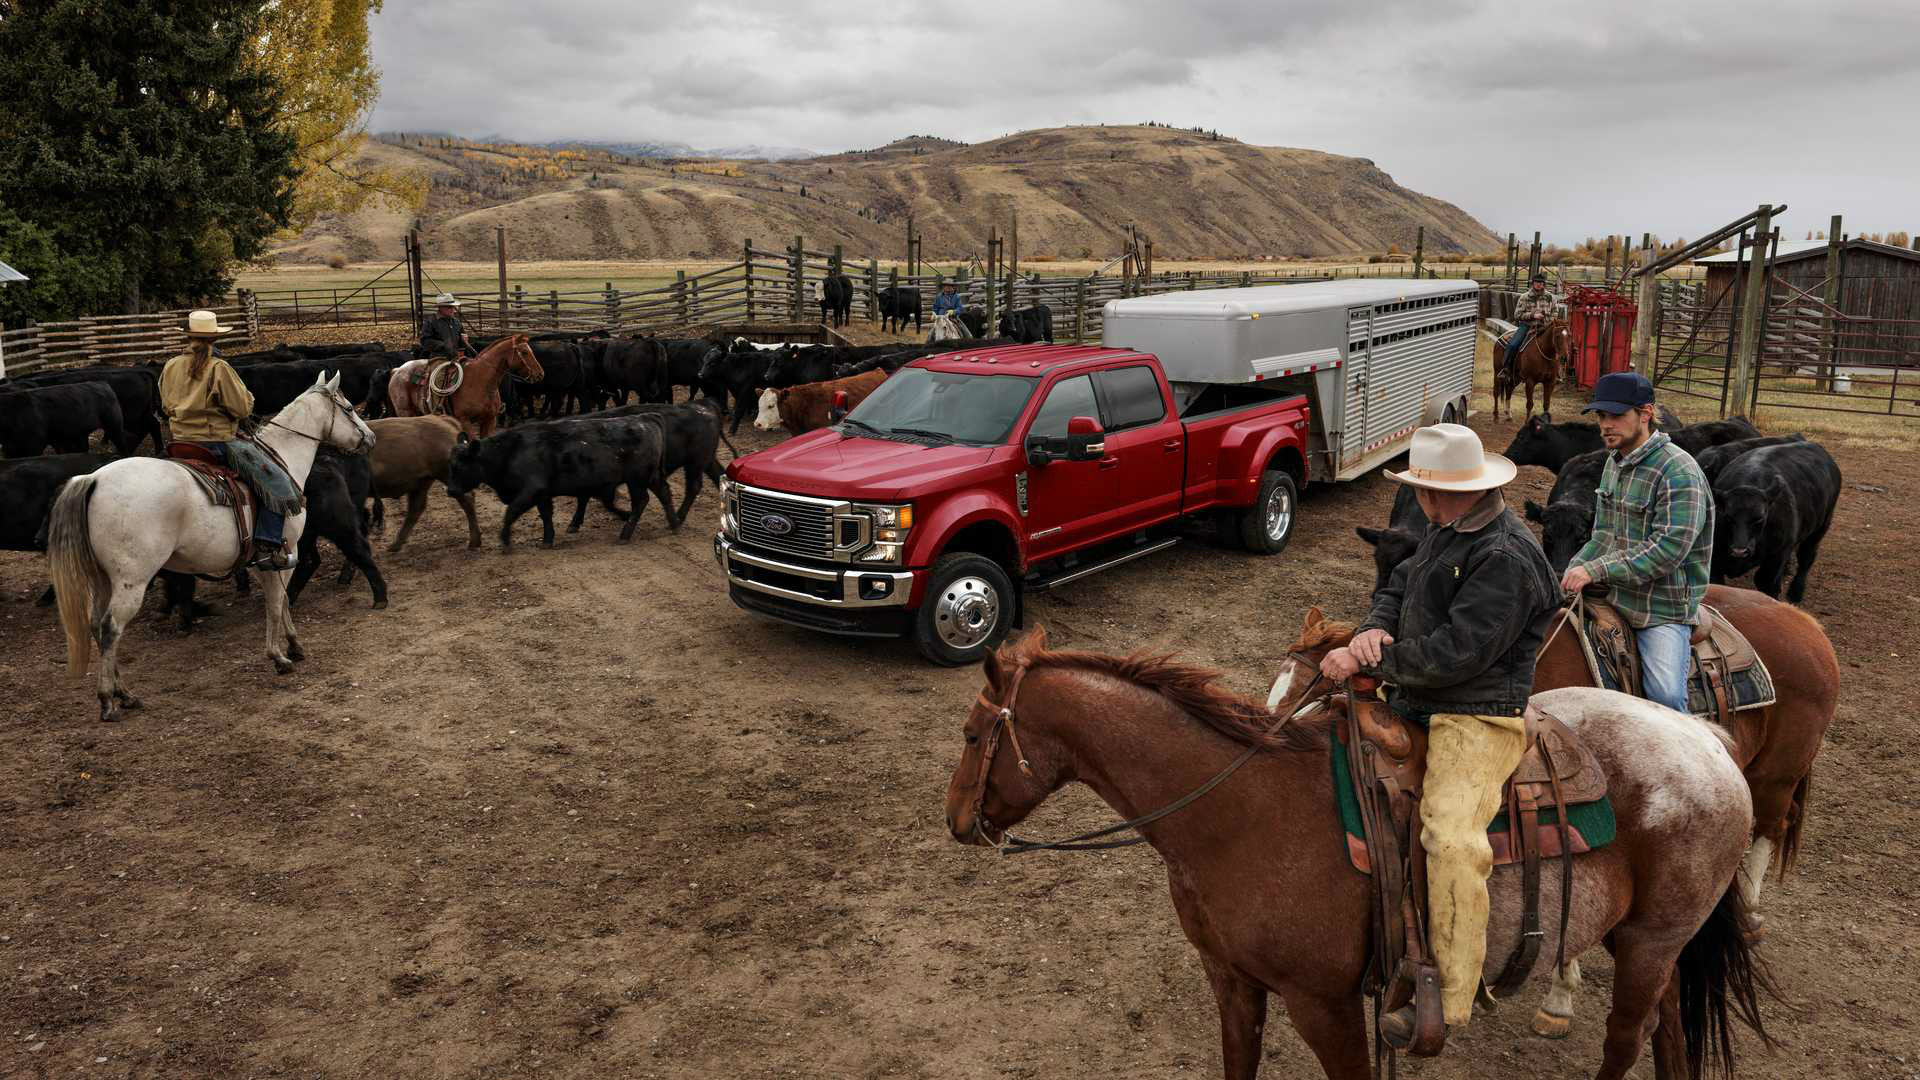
(270, 557)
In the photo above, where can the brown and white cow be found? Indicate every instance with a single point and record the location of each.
(805, 408)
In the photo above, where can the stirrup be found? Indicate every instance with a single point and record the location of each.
(269, 558)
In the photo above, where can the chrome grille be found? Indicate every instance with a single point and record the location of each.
(812, 534)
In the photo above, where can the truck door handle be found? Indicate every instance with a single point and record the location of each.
(1109, 462)
(1170, 445)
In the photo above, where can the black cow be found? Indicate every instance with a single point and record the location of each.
(897, 305)
(690, 442)
(636, 365)
(1714, 459)
(586, 457)
(375, 404)
(1542, 442)
(974, 319)
(836, 299)
(136, 388)
(275, 385)
(64, 417)
(324, 352)
(1567, 519)
(735, 373)
(28, 486)
(564, 385)
(1028, 325)
(1695, 438)
(1772, 504)
(1393, 545)
(683, 358)
(337, 489)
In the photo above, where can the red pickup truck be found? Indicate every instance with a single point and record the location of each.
(969, 479)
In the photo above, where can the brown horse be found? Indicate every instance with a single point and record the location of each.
(1774, 746)
(1261, 879)
(1540, 362)
(476, 401)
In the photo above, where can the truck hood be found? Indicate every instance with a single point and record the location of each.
(827, 465)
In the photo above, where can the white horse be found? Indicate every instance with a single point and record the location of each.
(948, 327)
(112, 530)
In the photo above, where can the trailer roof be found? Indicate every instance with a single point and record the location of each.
(1284, 299)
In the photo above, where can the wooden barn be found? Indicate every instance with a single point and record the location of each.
(1879, 283)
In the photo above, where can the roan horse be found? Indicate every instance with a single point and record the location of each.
(475, 402)
(1774, 746)
(1264, 889)
(1540, 362)
(112, 530)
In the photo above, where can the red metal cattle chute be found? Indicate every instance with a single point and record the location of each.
(1600, 322)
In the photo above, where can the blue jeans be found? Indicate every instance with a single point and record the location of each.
(1664, 654)
(269, 527)
(1519, 342)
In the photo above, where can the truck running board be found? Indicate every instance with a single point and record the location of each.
(1075, 573)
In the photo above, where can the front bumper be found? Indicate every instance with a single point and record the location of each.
(835, 589)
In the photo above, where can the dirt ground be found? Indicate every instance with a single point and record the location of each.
(569, 812)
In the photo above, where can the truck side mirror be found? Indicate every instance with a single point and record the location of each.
(837, 408)
(1085, 439)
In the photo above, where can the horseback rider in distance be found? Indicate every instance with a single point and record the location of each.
(1531, 314)
(442, 335)
(1455, 633)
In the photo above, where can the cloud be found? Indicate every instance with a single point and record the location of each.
(1573, 118)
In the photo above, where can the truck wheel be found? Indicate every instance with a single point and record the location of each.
(1267, 525)
(968, 608)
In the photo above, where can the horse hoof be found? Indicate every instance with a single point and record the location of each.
(128, 701)
(295, 652)
(284, 667)
(1548, 1026)
(380, 605)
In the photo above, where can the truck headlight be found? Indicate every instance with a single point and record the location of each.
(881, 553)
(888, 516)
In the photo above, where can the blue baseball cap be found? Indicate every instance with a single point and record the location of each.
(1620, 392)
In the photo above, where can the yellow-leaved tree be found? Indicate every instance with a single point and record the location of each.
(317, 51)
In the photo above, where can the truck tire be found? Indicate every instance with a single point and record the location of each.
(1267, 525)
(968, 609)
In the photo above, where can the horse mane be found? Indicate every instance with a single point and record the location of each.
(1193, 689)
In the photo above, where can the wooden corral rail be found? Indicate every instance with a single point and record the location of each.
(114, 339)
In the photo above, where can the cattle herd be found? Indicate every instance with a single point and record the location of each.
(606, 412)
(1773, 498)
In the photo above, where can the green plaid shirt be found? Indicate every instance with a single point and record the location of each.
(1652, 534)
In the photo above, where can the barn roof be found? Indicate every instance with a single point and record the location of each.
(9, 274)
(1791, 250)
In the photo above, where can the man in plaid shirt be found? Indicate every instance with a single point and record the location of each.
(1652, 534)
(1533, 311)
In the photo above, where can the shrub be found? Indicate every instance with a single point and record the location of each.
(337, 262)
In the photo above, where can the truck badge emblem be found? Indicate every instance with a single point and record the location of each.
(776, 524)
(1020, 491)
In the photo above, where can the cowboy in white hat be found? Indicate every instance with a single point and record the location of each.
(205, 401)
(442, 334)
(1454, 633)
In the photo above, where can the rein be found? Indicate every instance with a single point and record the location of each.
(1009, 844)
(327, 436)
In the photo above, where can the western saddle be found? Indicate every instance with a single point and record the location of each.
(223, 487)
(1720, 652)
(1387, 760)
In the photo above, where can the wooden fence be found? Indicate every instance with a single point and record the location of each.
(114, 339)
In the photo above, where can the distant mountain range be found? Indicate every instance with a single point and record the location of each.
(650, 149)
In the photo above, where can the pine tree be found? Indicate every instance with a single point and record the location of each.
(142, 138)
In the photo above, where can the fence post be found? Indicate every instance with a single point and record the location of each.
(1080, 312)
(500, 262)
(1832, 298)
(1419, 249)
(873, 289)
(694, 285)
(1648, 316)
(746, 263)
(252, 304)
(611, 302)
(553, 307)
(1748, 350)
(1513, 250)
(680, 294)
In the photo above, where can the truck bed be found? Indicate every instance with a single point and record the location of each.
(1225, 425)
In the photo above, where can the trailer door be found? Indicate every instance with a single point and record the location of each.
(1353, 419)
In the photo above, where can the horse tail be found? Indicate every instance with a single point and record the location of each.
(1796, 819)
(79, 583)
(1719, 969)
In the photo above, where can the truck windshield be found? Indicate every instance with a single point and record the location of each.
(969, 408)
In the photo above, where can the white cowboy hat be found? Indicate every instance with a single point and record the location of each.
(1449, 457)
(205, 324)
(445, 299)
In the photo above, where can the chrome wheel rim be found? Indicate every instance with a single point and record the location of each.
(966, 612)
(1279, 514)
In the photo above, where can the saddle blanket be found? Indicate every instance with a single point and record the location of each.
(1749, 683)
(1591, 825)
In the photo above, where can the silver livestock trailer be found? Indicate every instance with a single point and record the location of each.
(1376, 357)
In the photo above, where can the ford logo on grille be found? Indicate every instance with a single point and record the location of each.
(777, 524)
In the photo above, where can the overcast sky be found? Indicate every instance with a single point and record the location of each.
(1575, 119)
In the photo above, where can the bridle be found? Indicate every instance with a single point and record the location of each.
(341, 408)
(1009, 844)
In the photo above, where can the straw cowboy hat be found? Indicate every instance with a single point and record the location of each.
(205, 324)
(445, 299)
(1449, 457)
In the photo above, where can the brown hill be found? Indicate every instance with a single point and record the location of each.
(1073, 188)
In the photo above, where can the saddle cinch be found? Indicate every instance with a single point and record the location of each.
(1385, 761)
(223, 487)
(1726, 675)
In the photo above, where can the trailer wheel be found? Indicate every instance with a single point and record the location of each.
(1267, 525)
(967, 611)
(1450, 416)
